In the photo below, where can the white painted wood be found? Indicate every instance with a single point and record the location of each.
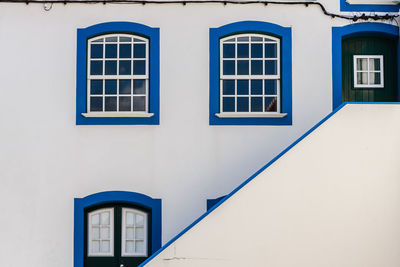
(250, 115)
(117, 115)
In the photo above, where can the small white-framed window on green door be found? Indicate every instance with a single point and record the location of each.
(250, 76)
(101, 233)
(134, 233)
(368, 71)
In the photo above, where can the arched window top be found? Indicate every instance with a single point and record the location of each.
(118, 38)
(250, 37)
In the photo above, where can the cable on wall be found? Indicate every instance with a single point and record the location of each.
(224, 2)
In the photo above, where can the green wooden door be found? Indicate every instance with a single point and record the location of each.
(117, 235)
(358, 52)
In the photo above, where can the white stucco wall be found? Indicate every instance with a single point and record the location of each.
(332, 200)
(46, 160)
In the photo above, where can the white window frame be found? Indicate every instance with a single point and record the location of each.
(368, 71)
(123, 233)
(89, 247)
(118, 77)
(250, 77)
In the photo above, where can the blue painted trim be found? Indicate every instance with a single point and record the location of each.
(212, 202)
(339, 33)
(254, 176)
(344, 6)
(153, 34)
(285, 34)
(154, 205)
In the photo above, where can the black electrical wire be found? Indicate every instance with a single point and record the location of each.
(225, 2)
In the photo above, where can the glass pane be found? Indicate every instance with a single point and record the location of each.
(228, 87)
(96, 104)
(125, 103)
(243, 67)
(125, 67)
(105, 246)
(111, 87)
(242, 104)
(111, 51)
(256, 104)
(271, 104)
(375, 78)
(256, 87)
(230, 40)
(111, 104)
(256, 67)
(374, 64)
(129, 218)
(139, 67)
(228, 104)
(243, 39)
(125, 39)
(95, 233)
(139, 220)
(129, 233)
(229, 67)
(243, 87)
(362, 64)
(98, 40)
(96, 87)
(362, 78)
(136, 40)
(105, 218)
(243, 50)
(270, 50)
(96, 67)
(271, 87)
(125, 50)
(111, 67)
(139, 50)
(129, 247)
(139, 103)
(139, 248)
(105, 233)
(125, 87)
(139, 87)
(111, 39)
(96, 246)
(96, 51)
(139, 233)
(256, 39)
(229, 50)
(271, 67)
(256, 51)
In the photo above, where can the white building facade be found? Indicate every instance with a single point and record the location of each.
(133, 115)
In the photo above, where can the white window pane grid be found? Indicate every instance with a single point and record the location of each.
(118, 39)
(134, 233)
(100, 232)
(368, 71)
(250, 39)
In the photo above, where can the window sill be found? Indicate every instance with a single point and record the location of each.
(250, 115)
(117, 115)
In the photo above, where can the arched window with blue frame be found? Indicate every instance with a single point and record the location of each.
(250, 74)
(118, 74)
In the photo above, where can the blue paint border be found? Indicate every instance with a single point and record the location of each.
(285, 33)
(109, 197)
(258, 172)
(153, 34)
(339, 33)
(344, 6)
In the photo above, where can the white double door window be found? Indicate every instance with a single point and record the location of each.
(132, 228)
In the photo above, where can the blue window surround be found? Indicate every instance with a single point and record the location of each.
(285, 33)
(344, 6)
(153, 34)
(211, 202)
(109, 197)
(339, 33)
